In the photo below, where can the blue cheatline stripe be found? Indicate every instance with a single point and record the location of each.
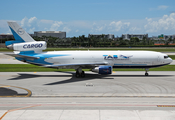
(32, 54)
(42, 57)
(16, 36)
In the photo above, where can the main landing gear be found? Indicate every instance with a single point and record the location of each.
(80, 73)
(146, 71)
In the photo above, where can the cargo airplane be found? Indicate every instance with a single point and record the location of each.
(28, 50)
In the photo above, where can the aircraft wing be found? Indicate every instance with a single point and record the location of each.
(23, 56)
(77, 64)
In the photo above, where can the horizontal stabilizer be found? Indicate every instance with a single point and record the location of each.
(23, 56)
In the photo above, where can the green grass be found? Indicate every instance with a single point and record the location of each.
(5, 50)
(172, 56)
(33, 68)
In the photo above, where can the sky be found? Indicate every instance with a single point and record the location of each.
(80, 17)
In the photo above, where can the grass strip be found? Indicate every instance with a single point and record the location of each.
(34, 68)
(172, 56)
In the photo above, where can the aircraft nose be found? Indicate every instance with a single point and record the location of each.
(171, 60)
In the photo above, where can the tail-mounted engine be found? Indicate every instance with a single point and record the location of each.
(27, 46)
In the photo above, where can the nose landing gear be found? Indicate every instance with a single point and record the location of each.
(146, 71)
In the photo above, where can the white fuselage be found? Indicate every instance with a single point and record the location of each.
(118, 59)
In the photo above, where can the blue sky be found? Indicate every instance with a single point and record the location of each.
(78, 17)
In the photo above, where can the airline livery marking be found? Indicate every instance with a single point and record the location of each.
(32, 46)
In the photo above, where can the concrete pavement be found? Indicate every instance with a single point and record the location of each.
(37, 108)
(60, 96)
(120, 83)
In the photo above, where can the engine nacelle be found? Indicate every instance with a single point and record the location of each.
(103, 70)
(28, 46)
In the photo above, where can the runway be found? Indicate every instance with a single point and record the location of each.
(122, 95)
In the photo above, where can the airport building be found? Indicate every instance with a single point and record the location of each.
(10, 36)
(6, 36)
(166, 37)
(163, 37)
(129, 36)
(57, 34)
(108, 36)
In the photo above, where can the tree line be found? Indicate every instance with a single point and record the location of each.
(99, 41)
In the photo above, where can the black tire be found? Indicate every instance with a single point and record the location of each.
(82, 74)
(77, 75)
(146, 74)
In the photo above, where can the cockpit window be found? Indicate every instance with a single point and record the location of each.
(165, 57)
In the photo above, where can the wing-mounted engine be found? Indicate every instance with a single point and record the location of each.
(103, 70)
(28, 46)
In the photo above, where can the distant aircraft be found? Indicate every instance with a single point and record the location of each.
(28, 50)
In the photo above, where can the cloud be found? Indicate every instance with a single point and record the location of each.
(166, 24)
(31, 30)
(33, 24)
(109, 27)
(29, 24)
(56, 25)
(98, 28)
(135, 30)
(152, 26)
(118, 26)
(80, 24)
(95, 28)
(32, 20)
(4, 27)
(3, 24)
(46, 21)
(161, 7)
(66, 29)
